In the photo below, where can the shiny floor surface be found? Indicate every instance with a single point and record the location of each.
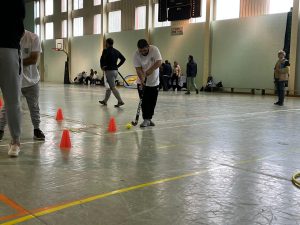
(211, 159)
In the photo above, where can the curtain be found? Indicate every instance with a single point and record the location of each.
(254, 7)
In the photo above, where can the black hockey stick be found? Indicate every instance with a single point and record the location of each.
(137, 116)
(123, 78)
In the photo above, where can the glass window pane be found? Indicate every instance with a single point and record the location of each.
(64, 5)
(280, 6)
(49, 31)
(114, 21)
(48, 7)
(77, 4)
(36, 9)
(140, 17)
(97, 2)
(228, 9)
(97, 24)
(78, 26)
(64, 29)
(37, 29)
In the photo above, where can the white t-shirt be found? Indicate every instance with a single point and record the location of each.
(30, 43)
(146, 62)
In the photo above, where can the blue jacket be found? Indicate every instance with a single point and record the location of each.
(191, 69)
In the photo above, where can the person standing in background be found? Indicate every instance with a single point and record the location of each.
(12, 14)
(191, 72)
(176, 76)
(281, 76)
(108, 63)
(31, 49)
(167, 73)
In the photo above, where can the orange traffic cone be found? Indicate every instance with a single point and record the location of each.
(59, 115)
(65, 140)
(112, 125)
(1, 103)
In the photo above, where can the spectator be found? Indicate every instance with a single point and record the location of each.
(176, 76)
(191, 72)
(281, 75)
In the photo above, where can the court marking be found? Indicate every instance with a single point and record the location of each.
(7, 201)
(51, 209)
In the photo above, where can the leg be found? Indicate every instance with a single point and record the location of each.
(111, 76)
(10, 81)
(188, 85)
(195, 86)
(149, 102)
(280, 92)
(32, 97)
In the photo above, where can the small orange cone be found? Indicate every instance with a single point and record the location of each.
(112, 125)
(59, 115)
(1, 103)
(65, 140)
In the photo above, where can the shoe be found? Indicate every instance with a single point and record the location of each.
(145, 123)
(197, 91)
(14, 150)
(102, 102)
(187, 93)
(38, 135)
(119, 104)
(276, 103)
(151, 124)
(1, 134)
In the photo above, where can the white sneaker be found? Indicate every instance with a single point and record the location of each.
(145, 123)
(14, 150)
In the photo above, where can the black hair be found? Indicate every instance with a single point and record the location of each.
(142, 43)
(191, 57)
(110, 41)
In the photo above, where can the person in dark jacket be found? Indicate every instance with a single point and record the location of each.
(108, 63)
(191, 72)
(167, 73)
(12, 14)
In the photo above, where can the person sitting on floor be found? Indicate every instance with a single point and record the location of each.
(79, 78)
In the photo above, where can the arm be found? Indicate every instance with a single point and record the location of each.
(102, 60)
(32, 59)
(140, 74)
(153, 67)
(122, 60)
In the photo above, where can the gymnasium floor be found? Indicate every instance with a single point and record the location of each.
(211, 159)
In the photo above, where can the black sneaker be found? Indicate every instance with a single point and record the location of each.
(1, 134)
(102, 102)
(38, 135)
(151, 124)
(119, 104)
(187, 93)
(197, 91)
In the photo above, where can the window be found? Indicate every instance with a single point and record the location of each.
(78, 26)
(97, 24)
(49, 31)
(97, 2)
(64, 5)
(159, 24)
(36, 9)
(78, 4)
(37, 29)
(48, 7)
(64, 29)
(140, 17)
(114, 21)
(280, 6)
(203, 14)
(113, 0)
(227, 9)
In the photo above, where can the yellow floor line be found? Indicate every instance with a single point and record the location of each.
(96, 197)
